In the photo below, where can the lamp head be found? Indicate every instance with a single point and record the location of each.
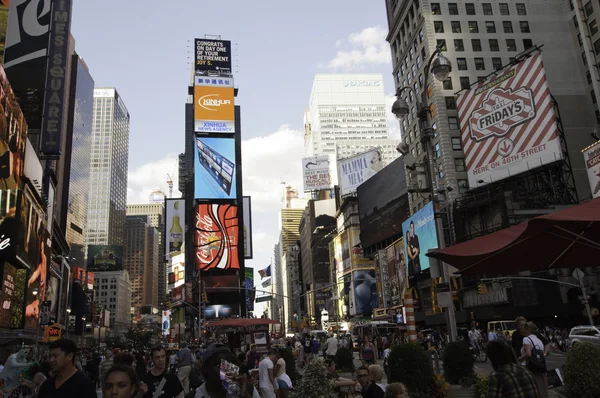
(400, 108)
(441, 67)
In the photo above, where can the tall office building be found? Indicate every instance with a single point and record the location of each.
(141, 259)
(155, 213)
(480, 38)
(113, 292)
(108, 169)
(80, 123)
(347, 116)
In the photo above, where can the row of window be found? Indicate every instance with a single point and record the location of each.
(511, 45)
(487, 9)
(490, 26)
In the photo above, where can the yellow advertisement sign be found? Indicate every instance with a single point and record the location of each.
(214, 109)
(357, 253)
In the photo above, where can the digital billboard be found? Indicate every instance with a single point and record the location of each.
(357, 169)
(214, 105)
(214, 168)
(319, 172)
(364, 287)
(591, 156)
(419, 232)
(508, 124)
(105, 258)
(220, 311)
(335, 254)
(216, 236)
(221, 281)
(176, 276)
(249, 286)
(33, 235)
(247, 205)
(174, 227)
(212, 56)
(401, 281)
(357, 256)
(9, 224)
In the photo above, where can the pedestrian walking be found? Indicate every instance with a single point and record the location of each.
(331, 347)
(509, 380)
(367, 352)
(266, 378)
(533, 356)
(184, 363)
(159, 382)
(121, 382)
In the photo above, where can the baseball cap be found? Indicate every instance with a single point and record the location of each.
(215, 349)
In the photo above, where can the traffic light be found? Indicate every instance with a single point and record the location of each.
(204, 298)
(482, 289)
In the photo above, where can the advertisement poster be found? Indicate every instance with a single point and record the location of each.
(346, 252)
(364, 286)
(33, 234)
(357, 169)
(344, 288)
(45, 313)
(319, 172)
(591, 155)
(419, 232)
(401, 269)
(52, 295)
(176, 274)
(336, 256)
(9, 224)
(11, 301)
(214, 105)
(358, 259)
(384, 279)
(220, 311)
(105, 258)
(249, 286)
(216, 236)
(214, 168)
(221, 281)
(174, 228)
(212, 56)
(64, 295)
(507, 122)
(247, 205)
(166, 322)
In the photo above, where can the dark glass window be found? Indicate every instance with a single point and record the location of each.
(452, 9)
(487, 9)
(524, 27)
(597, 46)
(494, 45)
(464, 82)
(476, 43)
(458, 45)
(511, 45)
(527, 43)
(470, 7)
(438, 26)
(459, 163)
(479, 64)
(447, 83)
(456, 144)
(521, 10)
(441, 44)
(473, 27)
(504, 9)
(589, 9)
(490, 27)
(436, 9)
(461, 63)
(456, 27)
(450, 102)
(507, 26)
(593, 27)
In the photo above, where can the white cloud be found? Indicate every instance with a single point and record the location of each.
(363, 49)
(392, 122)
(150, 176)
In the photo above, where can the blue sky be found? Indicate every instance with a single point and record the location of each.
(144, 48)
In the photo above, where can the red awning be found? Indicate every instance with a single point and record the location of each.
(568, 238)
(241, 322)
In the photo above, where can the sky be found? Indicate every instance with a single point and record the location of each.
(144, 49)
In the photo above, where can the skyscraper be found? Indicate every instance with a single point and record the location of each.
(141, 259)
(108, 169)
(347, 116)
(80, 123)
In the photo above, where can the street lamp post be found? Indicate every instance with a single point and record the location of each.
(441, 67)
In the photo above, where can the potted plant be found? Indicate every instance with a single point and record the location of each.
(411, 364)
(581, 370)
(344, 362)
(459, 371)
(314, 383)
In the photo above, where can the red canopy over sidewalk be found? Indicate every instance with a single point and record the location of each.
(568, 238)
(241, 322)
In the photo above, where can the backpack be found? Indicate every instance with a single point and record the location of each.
(536, 363)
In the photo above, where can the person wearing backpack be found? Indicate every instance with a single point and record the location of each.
(533, 356)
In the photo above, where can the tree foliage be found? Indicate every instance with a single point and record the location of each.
(581, 370)
(411, 365)
(315, 383)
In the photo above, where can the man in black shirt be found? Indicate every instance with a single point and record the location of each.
(67, 382)
(159, 380)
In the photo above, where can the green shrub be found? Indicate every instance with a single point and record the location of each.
(458, 364)
(344, 360)
(314, 383)
(581, 370)
(411, 365)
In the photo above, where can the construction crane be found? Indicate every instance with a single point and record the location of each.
(170, 184)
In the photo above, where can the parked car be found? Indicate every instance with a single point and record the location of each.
(588, 334)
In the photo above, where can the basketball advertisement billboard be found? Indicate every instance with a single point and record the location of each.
(508, 124)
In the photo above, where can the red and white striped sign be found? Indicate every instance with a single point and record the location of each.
(508, 125)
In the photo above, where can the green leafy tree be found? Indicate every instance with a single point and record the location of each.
(315, 383)
(411, 365)
(344, 360)
(458, 364)
(581, 370)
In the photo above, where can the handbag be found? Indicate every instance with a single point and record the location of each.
(536, 363)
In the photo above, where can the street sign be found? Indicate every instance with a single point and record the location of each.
(443, 294)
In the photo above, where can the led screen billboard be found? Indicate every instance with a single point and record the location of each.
(220, 311)
(357, 169)
(174, 227)
(214, 168)
(249, 286)
(419, 232)
(319, 172)
(33, 235)
(364, 287)
(214, 105)
(212, 56)
(508, 124)
(247, 204)
(105, 258)
(216, 236)
(221, 281)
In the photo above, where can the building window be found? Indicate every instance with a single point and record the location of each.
(479, 64)
(452, 9)
(470, 8)
(464, 82)
(473, 27)
(453, 122)
(456, 27)
(511, 45)
(461, 63)
(435, 9)
(593, 95)
(441, 44)
(588, 76)
(458, 45)
(521, 9)
(436, 150)
(494, 45)
(438, 26)
(440, 171)
(524, 27)
(450, 102)
(490, 27)
(504, 9)
(579, 39)
(421, 36)
(463, 186)
(487, 9)
(527, 43)
(497, 63)
(456, 144)
(597, 46)
(589, 9)
(593, 27)
(447, 83)
(507, 26)
(476, 44)
(459, 164)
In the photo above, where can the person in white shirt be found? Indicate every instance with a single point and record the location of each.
(332, 346)
(492, 335)
(530, 340)
(266, 379)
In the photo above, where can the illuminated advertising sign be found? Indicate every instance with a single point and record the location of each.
(319, 172)
(214, 105)
(220, 311)
(364, 287)
(249, 286)
(33, 235)
(216, 236)
(419, 232)
(508, 124)
(591, 156)
(247, 227)
(212, 56)
(357, 169)
(221, 281)
(214, 168)
(175, 225)
(176, 275)
(105, 258)
(166, 322)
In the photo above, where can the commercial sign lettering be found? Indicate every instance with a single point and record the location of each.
(591, 156)
(214, 110)
(319, 172)
(216, 236)
(213, 56)
(355, 170)
(363, 83)
(56, 76)
(508, 124)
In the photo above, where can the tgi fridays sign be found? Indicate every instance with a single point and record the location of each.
(591, 155)
(508, 124)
